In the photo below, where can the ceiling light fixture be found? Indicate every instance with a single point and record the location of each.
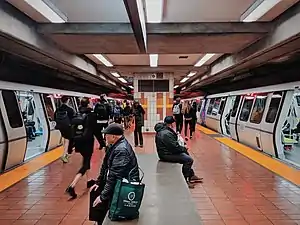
(204, 59)
(122, 80)
(154, 9)
(153, 60)
(130, 87)
(45, 10)
(115, 74)
(184, 80)
(103, 60)
(259, 10)
(183, 88)
(191, 74)
(176, 86)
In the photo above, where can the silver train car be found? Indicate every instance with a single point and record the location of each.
(266, 118)
(27, 126)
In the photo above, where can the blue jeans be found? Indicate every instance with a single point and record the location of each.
(183, 158)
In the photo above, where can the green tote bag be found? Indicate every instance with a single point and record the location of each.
(127, 199)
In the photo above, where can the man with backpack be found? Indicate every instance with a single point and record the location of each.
(63, 116)
(177, 113)
(102, 111)
(118, 113)
(82, 136)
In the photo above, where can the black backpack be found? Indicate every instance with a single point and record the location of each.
(101, 111)
(79, 126)
(62, 120)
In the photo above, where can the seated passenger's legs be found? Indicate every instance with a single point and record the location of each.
(183, 159)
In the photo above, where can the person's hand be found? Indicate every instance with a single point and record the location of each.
(97, 201)
(94, 187)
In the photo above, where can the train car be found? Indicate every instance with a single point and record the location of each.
(265, 118)
(27, 121)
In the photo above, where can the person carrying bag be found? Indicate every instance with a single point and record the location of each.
(111, 189)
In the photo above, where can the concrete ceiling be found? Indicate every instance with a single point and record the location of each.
(118, 30)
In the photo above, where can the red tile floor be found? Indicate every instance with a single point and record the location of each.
(235, 190)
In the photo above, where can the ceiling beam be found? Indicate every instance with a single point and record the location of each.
(135, 11)
(147, 69)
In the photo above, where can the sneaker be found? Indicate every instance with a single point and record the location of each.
(195, 179)
(90, 183)
(191, 137)
(190, 185)
(71, 191)
(140, 146)
(65, 158)
(186, 139)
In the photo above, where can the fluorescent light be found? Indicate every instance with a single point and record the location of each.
(176, 86)
(45, 10)
(115, 74)
(261, 10)
(191, 74)
(183, 88)
(153, 60)
(112, 82)
(103, 60)
(204, 59)
(154, 10)
(122, 80)
(184, 80)
(130, 87)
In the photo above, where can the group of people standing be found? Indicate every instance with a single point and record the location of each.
(79, 129)
(185, 114)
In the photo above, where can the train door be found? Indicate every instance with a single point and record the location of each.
(15, 130)
(256, 124)
(268, 123)
(225, 118)
(3, 143)
(35, 123)
(233, 115)
(289, 124)
(244, 132)
(55, 139)
(220, 114)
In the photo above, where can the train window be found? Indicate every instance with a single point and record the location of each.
(12, 109)
(235, 106)
(258, 109)
(245, 112)
(216, 106)
(210, 106)
(274, 106)
(49, 107)
(222, 105)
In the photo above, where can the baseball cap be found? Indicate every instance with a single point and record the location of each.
(114, 129)
(169, 119)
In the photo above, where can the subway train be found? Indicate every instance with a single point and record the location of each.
(27, 121)
(264, 118)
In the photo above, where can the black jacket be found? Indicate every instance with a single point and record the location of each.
(118, 162)
(138, 113)
(166, 141)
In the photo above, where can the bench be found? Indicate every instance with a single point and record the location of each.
(167, 199)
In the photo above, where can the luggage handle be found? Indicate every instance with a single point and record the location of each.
(143, 174)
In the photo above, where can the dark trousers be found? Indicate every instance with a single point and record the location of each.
(138, 135)
(188, 123)
(86, 162)
(99, 212)
(179, 122)
(99, 135)
(183, 158)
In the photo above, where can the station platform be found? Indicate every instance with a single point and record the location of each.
(241, 186)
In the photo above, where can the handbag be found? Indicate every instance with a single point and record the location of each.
(127, 198)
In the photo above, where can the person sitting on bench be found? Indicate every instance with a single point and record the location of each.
(169, 150)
